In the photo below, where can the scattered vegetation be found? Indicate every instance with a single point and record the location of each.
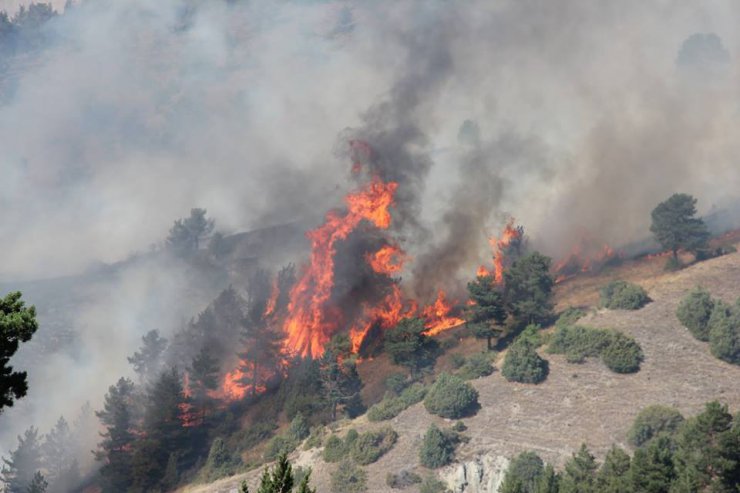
(620, 353)
(570, 316)
(371, 445)
(391, 406)
(432, 485)
(476, 366)
(408, 346)
(348, 478)
(654, 421)
(282, 479)
(437, 448)
(524, 475)
(694, 312)
(522, 363)
(336, 449)
(451, 397)
(622, 295)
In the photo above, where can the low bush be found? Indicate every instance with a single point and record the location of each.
(315, 437)
(532, 334)
(694, 312)
(432, 485)
(451, 397)
(348, 478)
(622, 295)
(476, 366)
(402, 480)
(622, 354)
(570, 316)
(437, 448)
(299, 429)
(724, 332)
(459, 427)
(390, 406)
(371, 445)
(334, 449)
(396, 383)
(278, 445)
(653, 421)
(522, 364)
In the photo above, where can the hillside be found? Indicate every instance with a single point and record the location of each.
(577, 403)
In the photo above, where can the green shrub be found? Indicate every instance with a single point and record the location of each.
(570, 316)
(278, 445)
(652, 421)
(532, 334)
(299, 429)
(220, 463)
(694, 312)
(437, 448)
(350, 437)
(432, 485)
(476, 366)
(371, 445)
(724, 332)
(402, 480)
(523, 474)
(348, 478)
(622, 355)
(451, 397)
(459, 427)
(622, 295)
(315, 437)
(396, 383)
(390, 407)
(522, 364)
(334, 449)
(457, 360)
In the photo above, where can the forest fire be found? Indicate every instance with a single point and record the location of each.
(437, 316)
(388, 260)
(588, 255)
(510, 241)
(311, 320)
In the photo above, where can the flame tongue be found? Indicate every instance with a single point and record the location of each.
(388, 260)
(437, 316)
(311, 321)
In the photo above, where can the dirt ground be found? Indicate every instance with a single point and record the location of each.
(578, 403)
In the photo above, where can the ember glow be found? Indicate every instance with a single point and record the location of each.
(272, 300)
(437, 316)
(311, 319)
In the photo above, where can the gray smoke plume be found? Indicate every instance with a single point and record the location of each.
(133, 112)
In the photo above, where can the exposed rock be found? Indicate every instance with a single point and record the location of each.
(483, 474)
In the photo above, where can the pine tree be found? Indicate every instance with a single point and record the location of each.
(115, 449)
(580, 473)
(407, 345)
(38, 484)
(17, 324)
(487, 314)
(612, 477)
(25, 461)
(59, 453)
(652, 468)
(203, 379)
(148, 360)
(341, 383)
(186, 234)
(528, 289)
(675, 226)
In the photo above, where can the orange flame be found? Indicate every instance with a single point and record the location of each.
(588, 255)
(272, 300)
(311, 322)
(388, 260)
(437, 316)
(510, 234)
(387, 314)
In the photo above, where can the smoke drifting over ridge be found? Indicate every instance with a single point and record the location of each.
(140, 110)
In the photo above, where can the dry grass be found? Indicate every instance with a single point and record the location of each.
(577, 403)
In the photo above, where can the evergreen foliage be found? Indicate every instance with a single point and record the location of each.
(487, 313)
(528, 289)
(724, 332)
(186, 235)
(451, 397)
(408, 346)
(654, 421)
(623, 295)
(147, 362)
(17, 325)
(579, 475)
(391, 406)
(675, 227)
(522, 364)
(115, 451)
(694, 312)
(476, 366)
(613, 476)
(437, 448)
(620, 353)
(348, 478)
(523, 474)
(19, 470)
(372, 445)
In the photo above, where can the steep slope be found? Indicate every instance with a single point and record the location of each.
(577, 403)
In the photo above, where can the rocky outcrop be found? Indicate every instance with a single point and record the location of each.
(483, 474)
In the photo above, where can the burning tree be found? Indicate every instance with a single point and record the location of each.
(408, 345)
(202, 380)
(487, 311)
(341, 384)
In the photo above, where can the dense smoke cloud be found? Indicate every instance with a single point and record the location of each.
(140, 110)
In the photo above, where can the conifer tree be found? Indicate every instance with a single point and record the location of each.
(117, 418)
(487, 314)
(580, 473)
(203, 378)
(62, 470)
(25, 461)
(148, 360)
(17, 324)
